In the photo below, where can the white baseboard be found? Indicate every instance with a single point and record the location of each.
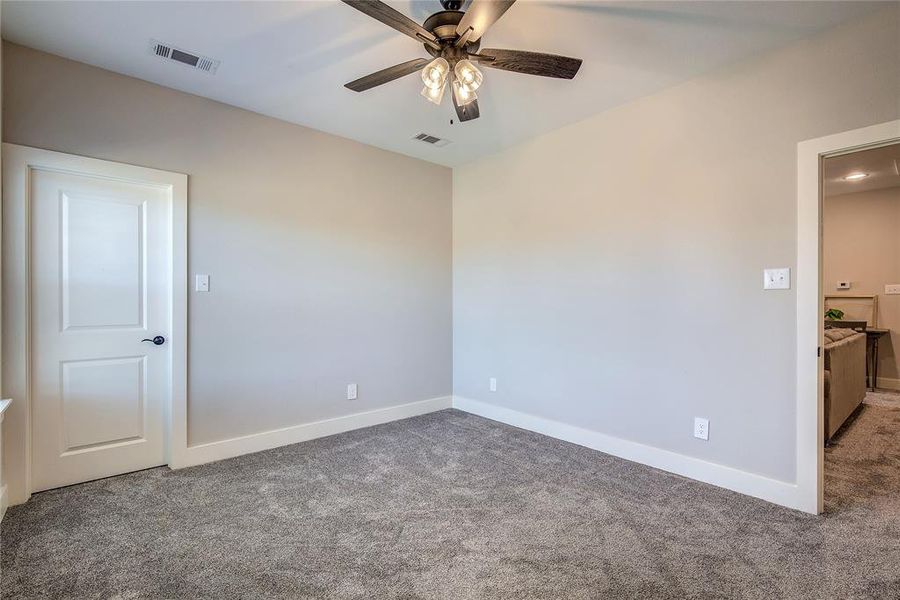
(4, 502)
(772, 490)
(888, 383)
(204, 453)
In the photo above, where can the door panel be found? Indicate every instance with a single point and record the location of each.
(102, 402)
(102, 251)
(101, 256)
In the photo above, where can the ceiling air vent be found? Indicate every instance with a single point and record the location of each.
(431, 139)
(195, 61)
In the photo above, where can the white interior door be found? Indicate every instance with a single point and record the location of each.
(101, 283)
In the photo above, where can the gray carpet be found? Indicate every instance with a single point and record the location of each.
(885, 398)
(449, 506)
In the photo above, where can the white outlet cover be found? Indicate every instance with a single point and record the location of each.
(777, 279)
(701, 428)
(843, 285)
(351, 391)
(493, 384)
(892, 289)
(202, 283)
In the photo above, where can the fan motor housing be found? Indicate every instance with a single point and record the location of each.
(443, 25)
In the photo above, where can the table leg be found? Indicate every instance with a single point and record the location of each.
(874, 364)
(868, 364)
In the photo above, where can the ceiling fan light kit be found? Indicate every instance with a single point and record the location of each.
(453, 37)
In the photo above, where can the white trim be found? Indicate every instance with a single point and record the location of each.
(751, 484)
(4, 497)
(204, 453)
(4, 502)
(18, 162)
(888, 383)
(808, 279)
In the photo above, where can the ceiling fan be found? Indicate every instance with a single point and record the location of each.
(453, 38)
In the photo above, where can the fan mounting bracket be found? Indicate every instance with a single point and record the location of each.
(443, 25)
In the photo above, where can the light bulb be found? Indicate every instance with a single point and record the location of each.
(434, 95)
(462, 95)
(434, 75)
(468, 75)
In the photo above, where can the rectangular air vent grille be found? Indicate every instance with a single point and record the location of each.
(431, 139)
(195, 61)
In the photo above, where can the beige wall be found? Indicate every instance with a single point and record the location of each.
(609, 274)
(861, 243)
(329, 260)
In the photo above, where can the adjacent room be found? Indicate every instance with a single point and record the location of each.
(450, 299)
(861, 300)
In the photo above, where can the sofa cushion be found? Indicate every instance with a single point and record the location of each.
(836, 335)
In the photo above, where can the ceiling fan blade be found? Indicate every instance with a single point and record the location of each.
(385, 75)
(480, 15)
(392, 18)
(530, 63)
(467, 112)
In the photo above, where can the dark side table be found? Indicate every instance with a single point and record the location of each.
(873, 335)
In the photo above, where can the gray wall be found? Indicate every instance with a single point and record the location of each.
(609, 274)
(329, 260)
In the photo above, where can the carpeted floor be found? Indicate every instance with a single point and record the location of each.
(886, 398)
(449, 506)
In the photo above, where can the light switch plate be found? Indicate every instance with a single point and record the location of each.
(351, 391)
(892, 289)
(492, 384)
(843, 285)
(202, 283)
(777, 279)
(701, 428)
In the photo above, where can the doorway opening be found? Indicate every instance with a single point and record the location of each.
(842, 345)
(861, 326)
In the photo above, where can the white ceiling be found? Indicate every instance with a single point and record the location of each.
(881, 164)
(290, 59)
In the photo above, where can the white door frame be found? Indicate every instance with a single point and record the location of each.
(810, 304)
(18, 163)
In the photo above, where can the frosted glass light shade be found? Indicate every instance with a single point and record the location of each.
(468, 75)
(434, 95)
(434, 75)
(462, 95)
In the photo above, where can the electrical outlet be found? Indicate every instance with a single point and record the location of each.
(493, 384)
(701, 428)
(843, 285)
(351, 391)
(892, 289)
(202, 283)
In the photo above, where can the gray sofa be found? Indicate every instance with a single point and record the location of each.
(845, 376)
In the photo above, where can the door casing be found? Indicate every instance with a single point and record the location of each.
(18, 163)
(810, 304)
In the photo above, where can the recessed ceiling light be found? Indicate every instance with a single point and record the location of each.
(855, 176)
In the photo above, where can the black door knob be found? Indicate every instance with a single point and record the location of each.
(158, 340)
